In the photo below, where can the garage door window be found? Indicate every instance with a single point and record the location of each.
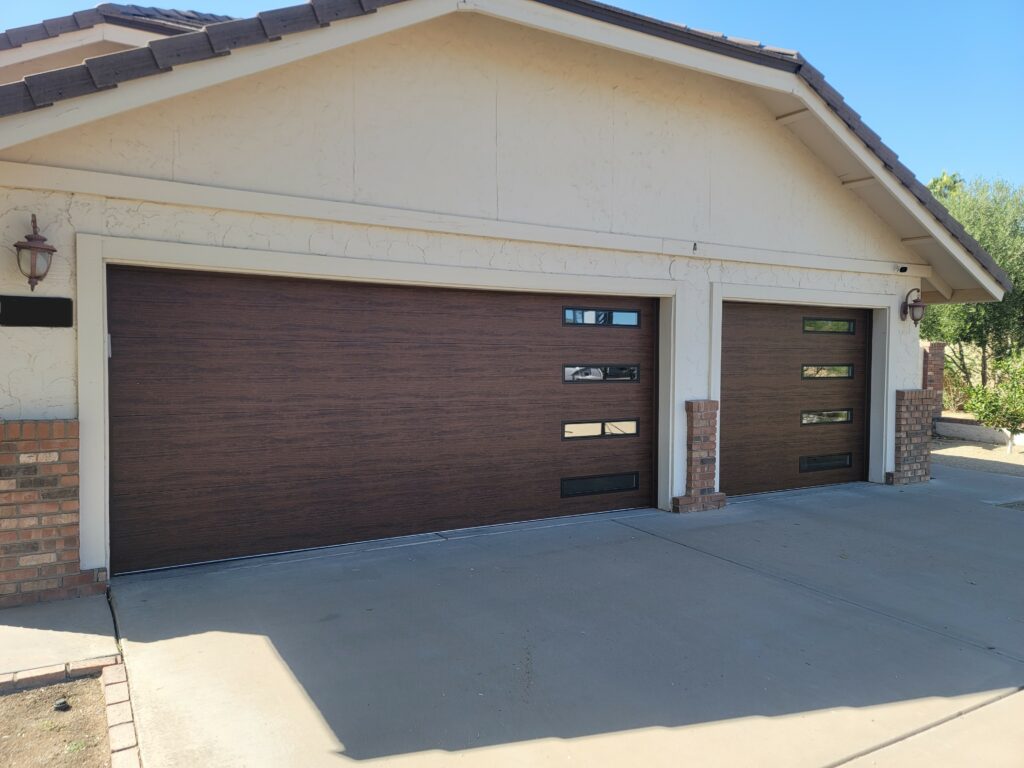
(829, 325)
(837, 416)
(831, 461)
(826, 372)
(585, 486)
(574, 430)
(600, 372)
(627, 318)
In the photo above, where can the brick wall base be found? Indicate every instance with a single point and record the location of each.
(701, 458)
(914, 409)
(933, 372)
(39, 515)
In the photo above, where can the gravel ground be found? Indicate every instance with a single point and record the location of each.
(33, 734)
(978, 456)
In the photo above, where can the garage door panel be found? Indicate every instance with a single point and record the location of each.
(137, 467)
(294, 509)
(764, 394)
(262, 414)
(391, 314)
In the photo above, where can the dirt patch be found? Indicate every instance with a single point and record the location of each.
(33, 734)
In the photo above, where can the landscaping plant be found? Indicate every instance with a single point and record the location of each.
(1000, 405)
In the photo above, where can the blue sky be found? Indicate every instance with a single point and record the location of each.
(941, 81)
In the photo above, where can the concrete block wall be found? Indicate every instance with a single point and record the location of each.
(39, 533)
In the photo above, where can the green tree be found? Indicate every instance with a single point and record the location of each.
(1001, 404)
(993, 213)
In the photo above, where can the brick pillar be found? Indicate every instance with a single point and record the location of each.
(933, 372)
(39, 514)
(701, 458)
(914, 409)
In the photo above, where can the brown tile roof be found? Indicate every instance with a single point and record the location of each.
(158, 20)
(218, 35)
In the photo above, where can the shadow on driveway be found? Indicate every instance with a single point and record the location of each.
(788, 629)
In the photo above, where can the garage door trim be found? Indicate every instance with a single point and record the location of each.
(95, 252)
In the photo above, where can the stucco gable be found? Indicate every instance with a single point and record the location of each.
(856, 155)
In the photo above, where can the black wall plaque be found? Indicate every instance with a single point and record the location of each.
(36, 311)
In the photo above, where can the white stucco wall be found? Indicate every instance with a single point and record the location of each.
(471, 116)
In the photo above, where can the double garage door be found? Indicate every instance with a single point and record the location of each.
(253, 414)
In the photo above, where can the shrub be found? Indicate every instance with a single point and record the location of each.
(1001, 404)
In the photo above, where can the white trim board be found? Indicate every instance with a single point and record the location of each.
(95, 252)
(161, 192)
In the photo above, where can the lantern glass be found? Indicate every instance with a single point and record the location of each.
(917, 312)
(33, 263)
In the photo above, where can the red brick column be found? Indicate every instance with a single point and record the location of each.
(914, 408)
(39, 514)
(701, 458)
(933, 371)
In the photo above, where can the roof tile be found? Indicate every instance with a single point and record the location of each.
(333, 10)
(14, 98)
(181, 49)
(60, 25)
(282, 21)
(30, 34)
(58, 84)
(86, 19)
(113, 68)
(228, 35)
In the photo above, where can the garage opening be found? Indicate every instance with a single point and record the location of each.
(251, 415)
(795, 384)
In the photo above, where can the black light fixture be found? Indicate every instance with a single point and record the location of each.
(913, 309)
(34, 255)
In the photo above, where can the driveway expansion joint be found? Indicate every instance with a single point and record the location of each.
(831, 596)
(925, 728)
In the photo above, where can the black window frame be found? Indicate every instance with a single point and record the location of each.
(604, 435)
(574, 308)
(805, 462)
(804, 377)
(635, 476)
(824, 423)
(852, 325)
(601, 365)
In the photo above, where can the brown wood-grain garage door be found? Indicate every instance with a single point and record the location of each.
(253, 414)
(794, 404)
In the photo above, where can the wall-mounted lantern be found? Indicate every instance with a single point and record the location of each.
(913, 309)
(34, 255)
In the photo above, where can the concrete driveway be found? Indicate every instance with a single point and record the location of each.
(861, 625)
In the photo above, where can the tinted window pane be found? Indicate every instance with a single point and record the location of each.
(584, 486)
(576, 429)
(620, 427)
(828, 325)
(577, 373)
(587, 316)
(827, 372)
(583, 429)
(832, 461)
(839, 416)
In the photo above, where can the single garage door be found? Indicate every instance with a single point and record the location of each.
(251, 415)
(794, 410)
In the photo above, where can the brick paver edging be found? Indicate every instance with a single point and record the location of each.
(124, 747)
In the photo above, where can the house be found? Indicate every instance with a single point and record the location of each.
(357, 269)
